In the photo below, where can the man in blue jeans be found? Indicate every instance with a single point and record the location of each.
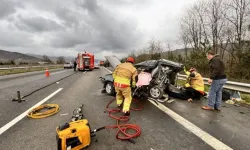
(217, 80)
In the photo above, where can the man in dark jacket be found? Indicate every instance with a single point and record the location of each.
(217, 80)
(75, 64)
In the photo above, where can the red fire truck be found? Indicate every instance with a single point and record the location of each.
(85, 61)
(101, 63)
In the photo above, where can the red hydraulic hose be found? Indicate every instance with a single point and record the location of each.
(123, 128)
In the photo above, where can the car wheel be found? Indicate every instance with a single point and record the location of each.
(110, 90)
(156, 92)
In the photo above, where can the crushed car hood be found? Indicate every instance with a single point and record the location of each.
(114, 61)
(153, 63)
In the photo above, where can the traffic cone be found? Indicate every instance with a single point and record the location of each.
(47, 72)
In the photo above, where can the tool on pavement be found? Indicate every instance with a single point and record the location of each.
(37, 114)
(22, 98)
(77, 134)
(19, 98)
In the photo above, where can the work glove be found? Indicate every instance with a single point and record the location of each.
(187, 85)
(133, 85)
(184, 68)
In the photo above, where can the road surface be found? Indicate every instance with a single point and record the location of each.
(179, 125)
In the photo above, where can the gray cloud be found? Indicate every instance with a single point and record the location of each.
(114, 33)
(77, 25)
(68, 39)
(7, 7)
(98, 28)
(69, 17)
(37, 24)
(84, 25)
(15, 38)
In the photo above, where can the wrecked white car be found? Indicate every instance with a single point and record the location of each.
(156, 76)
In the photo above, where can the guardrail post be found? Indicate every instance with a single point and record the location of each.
(19, 98)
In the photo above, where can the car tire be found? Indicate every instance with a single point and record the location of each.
(156, 92)
(109, 88)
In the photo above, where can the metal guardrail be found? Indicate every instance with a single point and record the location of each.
(236, 86)
(26, 67)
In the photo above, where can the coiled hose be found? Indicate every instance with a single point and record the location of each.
(51, 110)
(123, 128)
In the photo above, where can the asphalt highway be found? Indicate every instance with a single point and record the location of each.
(178, 125)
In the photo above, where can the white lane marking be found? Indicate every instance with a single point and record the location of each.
(20, 117)
(210, 140)
(108, 70)
(59, 72)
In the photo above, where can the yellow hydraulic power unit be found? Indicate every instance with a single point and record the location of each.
(77, 134)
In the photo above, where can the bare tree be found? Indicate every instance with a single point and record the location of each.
(155, 49)
(60, 60)
(46, 58)
(237, 15)
(193, 26)
(142, 55)
(219, 26)
(201, 10)
(185, 40)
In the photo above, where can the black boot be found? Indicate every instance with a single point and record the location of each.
(120, 107)
(127, 114)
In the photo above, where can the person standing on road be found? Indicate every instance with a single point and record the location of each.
(124, 75)
(75, 64)
(217, 80)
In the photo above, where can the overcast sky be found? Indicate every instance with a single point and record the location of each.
(103, 27)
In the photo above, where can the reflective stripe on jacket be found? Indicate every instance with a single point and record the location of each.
(123, 74)
(195, 82)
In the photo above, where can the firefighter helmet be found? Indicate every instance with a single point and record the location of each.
(131, 59)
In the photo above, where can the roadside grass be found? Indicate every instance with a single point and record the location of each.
(16, 71)
(244, 96)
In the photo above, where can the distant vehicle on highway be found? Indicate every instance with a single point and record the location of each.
(97, 66)
(68, 65)
(101, 63)
(85, 61)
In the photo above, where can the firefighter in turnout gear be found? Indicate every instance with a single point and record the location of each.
(194, 84)
(193, 88)
(124, 75)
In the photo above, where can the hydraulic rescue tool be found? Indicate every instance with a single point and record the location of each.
(77, 134)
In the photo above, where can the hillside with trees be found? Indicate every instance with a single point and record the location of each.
(220, 25)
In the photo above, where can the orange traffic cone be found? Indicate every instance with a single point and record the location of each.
(47, 72)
